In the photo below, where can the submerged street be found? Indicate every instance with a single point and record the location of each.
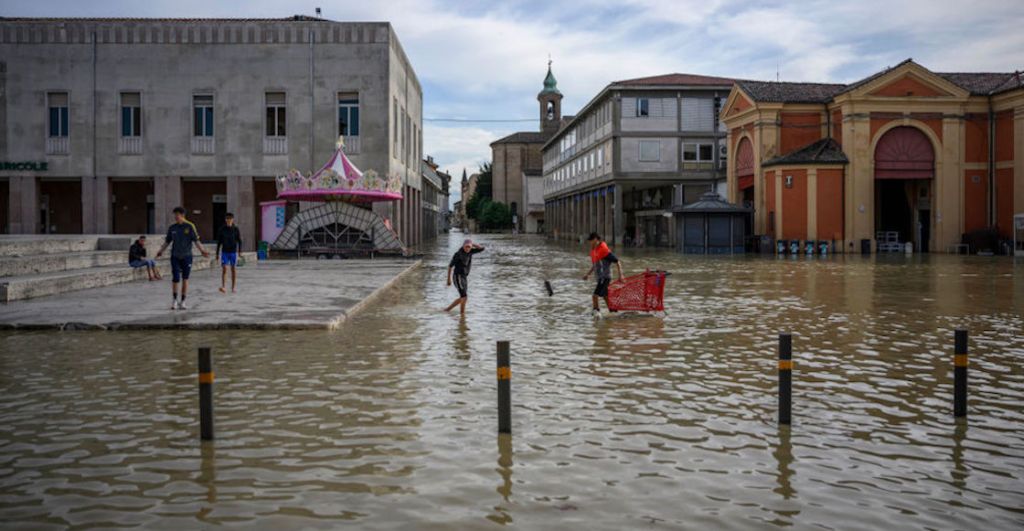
(623, 422)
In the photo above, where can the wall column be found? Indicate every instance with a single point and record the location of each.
(1018, 160)
(947, 213)
(812, 204)
(23, 205)
(166, 196)
(617, 224)
(95, 205)
(241, 204)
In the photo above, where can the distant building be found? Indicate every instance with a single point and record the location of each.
(469, 185)
(106, 124)
(904, 155)
(636, 149)
(435, 200)
(533, 202)
(515, 155)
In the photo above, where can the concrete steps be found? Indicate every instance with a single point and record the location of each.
(49, 263)
(40, 265)
(55, 282)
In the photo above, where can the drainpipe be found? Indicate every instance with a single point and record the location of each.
(311, 101)
(991, 164)
(94, 49)
(828, 121)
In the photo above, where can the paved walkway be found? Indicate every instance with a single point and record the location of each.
(274, 294)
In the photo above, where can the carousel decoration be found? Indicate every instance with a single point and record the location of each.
(339, 180)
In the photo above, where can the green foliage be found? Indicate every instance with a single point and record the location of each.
(482, 196)
(495, 216)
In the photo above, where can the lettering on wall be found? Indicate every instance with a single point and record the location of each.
(24, 166)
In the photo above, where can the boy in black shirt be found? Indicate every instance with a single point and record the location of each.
(137, 258)
(229, 240)
(461, 262)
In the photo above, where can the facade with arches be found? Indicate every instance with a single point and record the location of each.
(918, 156)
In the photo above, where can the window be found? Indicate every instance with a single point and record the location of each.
(131, 114)
(276, 109)
(600, 157)
(643, 107)
(650, 151)
(348, 114)
(698, 152)
(58, 104)
(202, 115)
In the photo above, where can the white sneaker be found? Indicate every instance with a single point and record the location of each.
(181, 306)
(174, 304)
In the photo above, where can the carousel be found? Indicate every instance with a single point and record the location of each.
(343, 222)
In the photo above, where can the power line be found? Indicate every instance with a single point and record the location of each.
(479, 120)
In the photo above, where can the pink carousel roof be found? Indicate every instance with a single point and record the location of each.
(339, 180)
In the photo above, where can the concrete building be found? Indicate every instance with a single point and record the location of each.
(107, 124)
(905, 155)
(519, 154)
(636, 149)
(435, 200)
(533, 202)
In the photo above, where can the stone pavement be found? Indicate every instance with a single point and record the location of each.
(275, 294)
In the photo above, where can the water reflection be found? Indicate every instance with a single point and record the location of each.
(621, 421)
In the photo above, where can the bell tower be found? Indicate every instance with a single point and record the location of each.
(550, 104)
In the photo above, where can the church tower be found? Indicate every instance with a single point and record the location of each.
(550, 104)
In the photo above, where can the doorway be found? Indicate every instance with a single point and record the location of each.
(132, 206)
(61, 206)
(200, 201)
(903, 206)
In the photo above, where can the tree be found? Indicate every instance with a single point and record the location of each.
(495, 216)
(484, 186)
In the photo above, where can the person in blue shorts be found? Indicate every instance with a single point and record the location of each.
(181, 236)
(229, 241)
(137, 258)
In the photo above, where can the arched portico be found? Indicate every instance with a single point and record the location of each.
(904, 166)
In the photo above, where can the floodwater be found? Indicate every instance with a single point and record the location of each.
(625, 422)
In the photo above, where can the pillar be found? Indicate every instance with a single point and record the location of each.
(618, 225)
(95, 205)
(23, 205)
(812, 204)
(1018, 159)
(166, 196)
(241, 203)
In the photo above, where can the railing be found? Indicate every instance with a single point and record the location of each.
(202, 145)
(57, 145)
(351, 144)
(129, 145)
(275, 145)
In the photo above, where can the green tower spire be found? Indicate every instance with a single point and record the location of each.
(550, 83)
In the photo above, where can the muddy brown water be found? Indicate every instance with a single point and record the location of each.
(631, 421)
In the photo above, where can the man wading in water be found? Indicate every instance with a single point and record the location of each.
(462, 260)
(602, 259)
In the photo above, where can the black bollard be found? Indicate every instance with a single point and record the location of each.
(960, 373)
(785, 378)
(504, 389)
(205, 394)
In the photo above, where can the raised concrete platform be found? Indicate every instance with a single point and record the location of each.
(40, 265)
(277, 294)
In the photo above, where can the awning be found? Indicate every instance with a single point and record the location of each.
(746, 181)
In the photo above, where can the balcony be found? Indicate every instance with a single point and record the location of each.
(57, 145)
(202, 145)
(129, 145)
(275, 145)
(351, 145)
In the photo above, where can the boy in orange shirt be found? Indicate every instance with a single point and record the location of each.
(601, 259)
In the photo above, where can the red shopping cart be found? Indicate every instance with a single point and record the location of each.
(638, 293)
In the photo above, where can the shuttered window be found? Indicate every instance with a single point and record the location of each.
(698, 114)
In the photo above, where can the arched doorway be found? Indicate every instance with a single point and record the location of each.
(904, 171)
(745, 172)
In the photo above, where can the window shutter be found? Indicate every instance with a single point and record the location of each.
(629, 107)
(58, 99)
(275, 98)
(130, 99)
(698, 114)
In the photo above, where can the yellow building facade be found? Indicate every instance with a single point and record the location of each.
(905, 155)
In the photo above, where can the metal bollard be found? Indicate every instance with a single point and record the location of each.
(205, 394)
(960, 373)
(785, 378)
(504, 389)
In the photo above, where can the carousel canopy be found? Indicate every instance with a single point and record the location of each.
(339, 180)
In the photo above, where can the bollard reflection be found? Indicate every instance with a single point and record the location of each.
(505, 465)
(784, 458)
(959, 472)
(207, 478)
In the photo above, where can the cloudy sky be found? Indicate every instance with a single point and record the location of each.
(486, 60)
